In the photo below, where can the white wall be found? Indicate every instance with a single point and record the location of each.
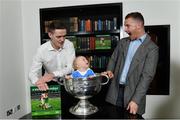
(22, 36)
(0, 51)
(12, 62)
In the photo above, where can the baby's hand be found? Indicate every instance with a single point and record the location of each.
(103, 73)
(68, 77)
(109, 73)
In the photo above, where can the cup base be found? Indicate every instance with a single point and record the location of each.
(84, 107)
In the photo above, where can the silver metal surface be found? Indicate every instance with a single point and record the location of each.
(83, 89)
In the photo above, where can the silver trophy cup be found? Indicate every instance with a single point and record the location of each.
(84, 89)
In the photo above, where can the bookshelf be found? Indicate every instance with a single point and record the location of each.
(93, 29)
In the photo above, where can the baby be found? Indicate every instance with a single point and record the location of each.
(82, 70)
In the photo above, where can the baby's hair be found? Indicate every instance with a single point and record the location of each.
(75, 66)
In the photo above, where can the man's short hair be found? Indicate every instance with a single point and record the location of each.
(135, 15)
(56, 24)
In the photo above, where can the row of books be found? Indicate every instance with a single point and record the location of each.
(86, 25)
(100, 42)
(98, 62)
(94, 43)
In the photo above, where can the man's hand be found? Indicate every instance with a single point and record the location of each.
(109, 73)
(132, 107)
(41, 85)
(47, 77)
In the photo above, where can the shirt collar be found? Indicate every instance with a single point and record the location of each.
(83, 73)
(50, 47)
(142, 38)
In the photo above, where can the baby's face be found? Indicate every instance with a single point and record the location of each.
(82, 62)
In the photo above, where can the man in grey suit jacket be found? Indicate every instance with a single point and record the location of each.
(132, 66)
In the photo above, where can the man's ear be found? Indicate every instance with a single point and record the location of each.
(139, 25)
(50, 34)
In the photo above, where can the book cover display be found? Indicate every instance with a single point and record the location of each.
(46, 103)
(103, 42)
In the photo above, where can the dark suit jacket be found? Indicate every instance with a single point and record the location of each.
(140, 75)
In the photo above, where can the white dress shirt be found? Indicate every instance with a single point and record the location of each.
(59, 62)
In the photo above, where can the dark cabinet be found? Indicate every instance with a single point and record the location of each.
(93, 29)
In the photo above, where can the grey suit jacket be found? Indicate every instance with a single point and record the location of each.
(140, 74)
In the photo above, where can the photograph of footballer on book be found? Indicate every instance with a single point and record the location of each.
(46, 103)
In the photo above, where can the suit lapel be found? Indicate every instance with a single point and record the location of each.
(125, 48)
(139, 55)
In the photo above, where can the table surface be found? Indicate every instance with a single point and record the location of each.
(105, 110)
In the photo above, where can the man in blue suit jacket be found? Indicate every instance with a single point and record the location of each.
(132, 66)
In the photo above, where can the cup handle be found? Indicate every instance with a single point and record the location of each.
(60, 80)
(104, 83)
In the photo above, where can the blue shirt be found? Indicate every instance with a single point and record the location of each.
(133, 46)
(77, 74)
